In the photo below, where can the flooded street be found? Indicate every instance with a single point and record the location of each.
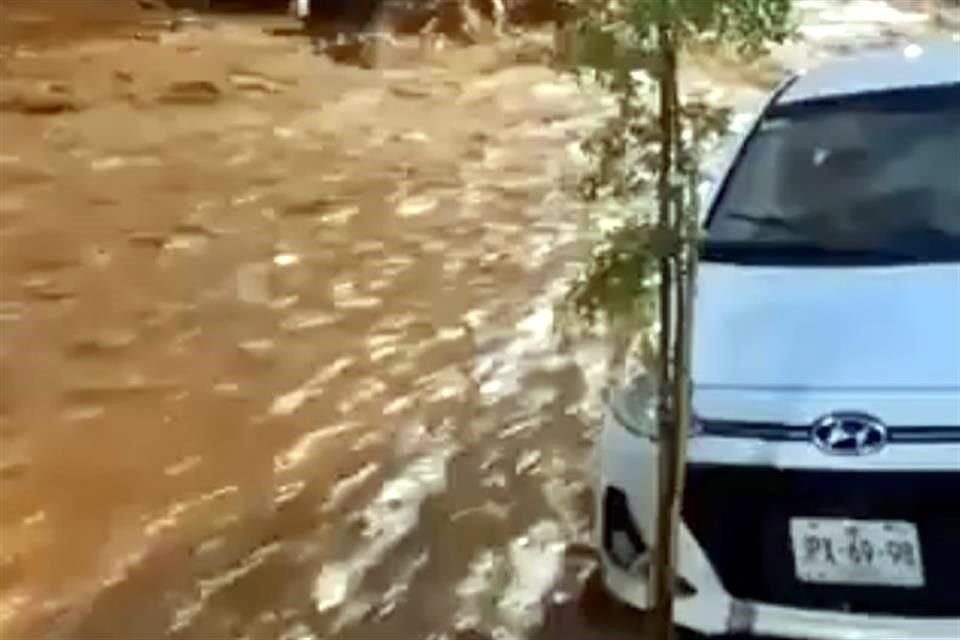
(276, 349)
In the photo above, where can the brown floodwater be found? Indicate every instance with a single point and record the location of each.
(274, 343)
(276, 354)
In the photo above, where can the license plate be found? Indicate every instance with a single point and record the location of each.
(856, 552)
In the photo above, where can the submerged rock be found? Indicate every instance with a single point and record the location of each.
(38, 99)
(191, 92)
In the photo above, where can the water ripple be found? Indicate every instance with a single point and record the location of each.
(390, 517)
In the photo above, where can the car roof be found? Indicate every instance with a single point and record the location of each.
(889, 69)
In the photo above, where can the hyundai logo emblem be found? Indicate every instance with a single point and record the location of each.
(849, 434)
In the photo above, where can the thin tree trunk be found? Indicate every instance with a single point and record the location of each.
(691, 231)
(664, 549)
(684, 210)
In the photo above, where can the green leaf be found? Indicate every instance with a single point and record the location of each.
(613, 40)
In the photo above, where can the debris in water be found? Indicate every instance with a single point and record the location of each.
(528, 461)
(288, 403)
(416, 206)
(191, 92)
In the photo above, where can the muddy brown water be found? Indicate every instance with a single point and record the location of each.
(275, 356)
(275, 339)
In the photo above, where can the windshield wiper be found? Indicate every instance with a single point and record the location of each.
(772, 221)
(751, 251)
(760, 218)
(803, 243)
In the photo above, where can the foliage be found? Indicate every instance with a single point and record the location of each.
(644, 162)
(614, 46)
(624, 153)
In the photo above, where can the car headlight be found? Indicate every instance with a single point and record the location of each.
(634, 407)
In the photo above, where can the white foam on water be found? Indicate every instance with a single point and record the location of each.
(343, 489)
(290, 402)
(175, 513)
(209, 587)
(485, 575)
(401, 585)
(298, 631)
(504, 594)
(287, 492)
(331, 587)
(562, 496)
(847, 21)
(286, 259)
(416, 205)
(499, 372)
(351, 613)
(389, 518)
(536, 562)
(306, 445)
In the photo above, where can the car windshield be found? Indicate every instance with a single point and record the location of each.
(873, 177)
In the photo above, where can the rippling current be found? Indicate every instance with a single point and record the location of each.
(276, 357)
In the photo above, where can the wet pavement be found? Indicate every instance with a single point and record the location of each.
(276, 351)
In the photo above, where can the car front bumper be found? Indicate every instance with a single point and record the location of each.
(734, 558)
(719, 614)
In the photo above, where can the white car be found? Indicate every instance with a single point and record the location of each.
(823, 491)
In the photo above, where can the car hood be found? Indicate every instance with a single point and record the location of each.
(837, 328)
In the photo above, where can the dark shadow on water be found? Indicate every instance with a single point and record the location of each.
(251, 7)
(593, 615)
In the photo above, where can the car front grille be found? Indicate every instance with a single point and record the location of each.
(741, 515)
(777, 432)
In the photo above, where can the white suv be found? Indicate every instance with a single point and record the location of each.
(823, 489)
